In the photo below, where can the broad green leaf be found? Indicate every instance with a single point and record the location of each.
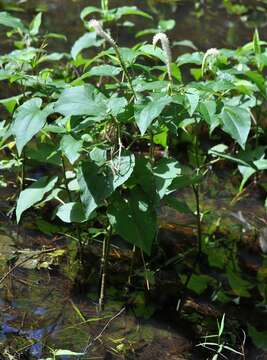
(84, 42)
(104, 70)
(176, 72)
(116, 105)
(166, 25)
(88, 11)
(236, 122)
(95, 186)
(29, 120)
(246, 172)
(192, 97)
(183, 181)
(144, 177)
(217, 256)
(98, 183)
(35, 24)
(208, 109)
(194, 58)
(71, 212)
(186, 43)
(257, 48)
(146, 32)
(165, 172)
(133, 219)
(71, 148)
(240, 286)
(34, 194)
(99, 156)
(141, 85)
(10, 21)
(10, 103)
(151, 111)
(258, 79)
(51, 57)
(81, 100)
(130, 10)
(44, 153)
(150, 50)
(161, 138)
(259, 337)
(261, 164)
(178, 205)
(198, 283)
(122, 167)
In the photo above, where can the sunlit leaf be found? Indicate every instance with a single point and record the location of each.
(151, 111)
(236, 122)
(81, 100)
(84, 42)
(71, 148)
(71, 212)
(34, 194)
(29, 120)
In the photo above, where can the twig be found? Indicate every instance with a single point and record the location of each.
(103, 271)
(103, 330)
(129, 282)
(145, 268)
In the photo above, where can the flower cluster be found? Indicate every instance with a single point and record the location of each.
(101, 32)
(166, 48)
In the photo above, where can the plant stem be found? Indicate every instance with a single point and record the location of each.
(124, 68)
(103, 268)
(195, 188)
(258, 116)
(129, 282)
(76, 227)
(65, 179)
(152, 148)
(22, 179)
(145, 268)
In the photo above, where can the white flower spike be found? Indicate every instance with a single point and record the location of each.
(165, 43)
(211, 54)
(101, 32)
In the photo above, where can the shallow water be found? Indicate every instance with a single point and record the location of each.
(40, 308)
(208, 25)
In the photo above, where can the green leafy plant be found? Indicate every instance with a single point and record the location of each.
(105, 122)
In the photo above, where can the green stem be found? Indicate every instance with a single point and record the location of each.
(65, 179)
(22, 175)
(181, 300)
(75, 226)
(152, 148)
(129, 282)
(124, 68)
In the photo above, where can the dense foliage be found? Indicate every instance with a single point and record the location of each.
(116, 131)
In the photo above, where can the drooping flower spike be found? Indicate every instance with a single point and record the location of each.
(101, 32)
(212, 53)
(165, 43)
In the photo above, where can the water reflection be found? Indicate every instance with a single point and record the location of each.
(206, 23)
